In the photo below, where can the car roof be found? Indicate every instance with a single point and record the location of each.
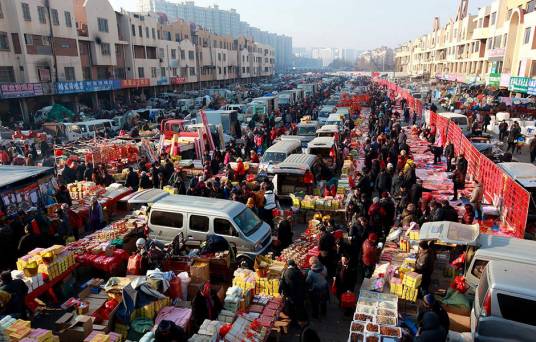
(146, 196)
(296, 161)
(504, 247)
(523, 173)
(328, 129)
(284, 145)
(322, 142)
(335, 116)
(200, 205)
(308, 123)
(512, 277)
(452, 115)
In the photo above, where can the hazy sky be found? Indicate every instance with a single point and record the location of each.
(360, 24)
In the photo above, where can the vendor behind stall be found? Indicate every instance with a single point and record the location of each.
(18, 291)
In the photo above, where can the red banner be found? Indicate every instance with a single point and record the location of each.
(177, 80)
(135, 83)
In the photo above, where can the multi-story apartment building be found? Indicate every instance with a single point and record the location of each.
(497, 46)
(223, 22)
(83, 52)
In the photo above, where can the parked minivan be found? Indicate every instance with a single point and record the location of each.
(335, 119)
(324, 147)
(196, 217)
(289, 174)
(505, 303)
(277, 153)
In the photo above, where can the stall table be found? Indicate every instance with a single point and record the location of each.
(47, 287)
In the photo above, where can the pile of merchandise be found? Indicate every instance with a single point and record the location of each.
(300, 251)
(375, 318)
(51, 262)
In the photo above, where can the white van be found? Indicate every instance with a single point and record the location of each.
(457, 118)
(505, 302)
(277, 153)
(335, 119)
(197, 217)
(324, 113)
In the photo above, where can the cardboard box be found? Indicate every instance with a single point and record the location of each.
(79, 329)
(200, 271)
(64, 321)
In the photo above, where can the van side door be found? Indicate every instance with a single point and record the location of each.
(198, 228)
(224, 228)
(165, 225)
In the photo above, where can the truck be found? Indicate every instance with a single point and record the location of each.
(228, 119)
(286, 99)
(271, 103)
(309, 89)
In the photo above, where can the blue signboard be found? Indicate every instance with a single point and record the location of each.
(531, 89)
(162, 81)
(87, 86)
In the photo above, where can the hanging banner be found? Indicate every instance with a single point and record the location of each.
(135, 83)
(12, 90)
(494, 80)
(531, 88)
(86, 86)
(519, 84)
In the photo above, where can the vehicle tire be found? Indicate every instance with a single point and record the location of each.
(248, 261)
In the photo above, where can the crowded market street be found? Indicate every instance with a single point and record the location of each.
(252, 191)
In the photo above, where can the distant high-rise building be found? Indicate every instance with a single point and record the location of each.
(224, 22)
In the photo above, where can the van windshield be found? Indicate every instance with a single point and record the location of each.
(247, 221)
(307, 130)
(460, 120)
(273, 157)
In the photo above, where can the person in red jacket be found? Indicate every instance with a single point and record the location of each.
(370, 254)
(240, 169)
(253, 156)
(308, 180)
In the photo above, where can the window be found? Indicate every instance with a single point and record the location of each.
(133, 30)
(247, 221)
(167, 35)
(147, 32)
(153, 72)
(45, 41)
(28, 39)
(219, 56)
(479, 23)
(162, 72)
(4, 41)
(224, 57)
(174, 71)
(199, 223)
(526, 39)
(479, 267)
(192, 71)
(7, 74)
(55, 17)
(219, 70)
(140, 30)
(86, 73)
(191, 55)
(68, 21)
(162, 218)
(161, 53)
(1, 11)
(41, 13)
(69, 74)
(517, 309)
(177, 37)
(153, 34)
(141, 72)
(173, 54)
(224, 227)
(105, 49)
(103, 24)
(158, 34)
(493, 17)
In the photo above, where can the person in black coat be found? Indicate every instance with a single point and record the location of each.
(430, 329)
(449, 213)
(431, 304)
(18, 291)
(133, 180)
(293, 288)
(415, 192)
(284, 233)
(449, 154)
(145, 181)
(327, 248)
(63, 196)
(155, 170)
(384, 182)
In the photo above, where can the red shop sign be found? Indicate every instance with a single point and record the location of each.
(177, 80)
(135, 83)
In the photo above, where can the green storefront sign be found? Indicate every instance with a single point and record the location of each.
(494, 79)
(519, 84)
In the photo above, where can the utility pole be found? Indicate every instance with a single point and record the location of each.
(51, 37)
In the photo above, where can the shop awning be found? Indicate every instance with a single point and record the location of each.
(11, 175)
(450, 232)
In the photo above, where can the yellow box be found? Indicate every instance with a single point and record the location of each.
(100, 338)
